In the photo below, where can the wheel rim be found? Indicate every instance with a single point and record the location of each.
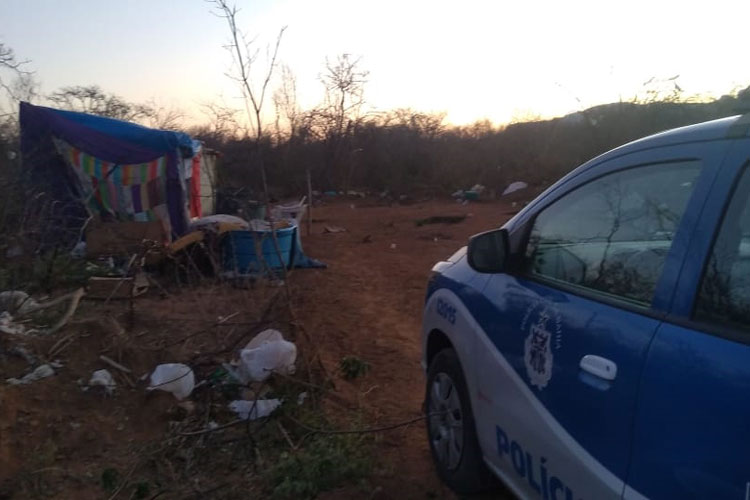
(446, 421)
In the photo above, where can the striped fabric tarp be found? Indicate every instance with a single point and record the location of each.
(132, 191)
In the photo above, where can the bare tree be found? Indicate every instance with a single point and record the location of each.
(285, 102)
(159, 116)
(17, 84)
(93, 100)
(222, 124)
(344, 83)
(245, 57)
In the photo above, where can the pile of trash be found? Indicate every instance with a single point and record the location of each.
(16, 305)
(472, 194)
(267, 353)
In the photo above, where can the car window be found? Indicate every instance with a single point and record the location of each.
(724, 296)
(613, 234)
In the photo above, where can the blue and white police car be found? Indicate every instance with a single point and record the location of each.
(598, 344)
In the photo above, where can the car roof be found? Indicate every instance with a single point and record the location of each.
(723, 128)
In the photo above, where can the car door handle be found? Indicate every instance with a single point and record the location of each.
(599, 366)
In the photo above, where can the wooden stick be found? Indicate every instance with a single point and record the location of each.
(286, 435)
(119, 283)
(74, 301)
(309, 203)
(57, 344)
(115, 364)
(49, 303)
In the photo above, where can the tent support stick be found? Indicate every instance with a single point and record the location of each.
(309, 203)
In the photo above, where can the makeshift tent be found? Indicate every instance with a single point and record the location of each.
(113, 169)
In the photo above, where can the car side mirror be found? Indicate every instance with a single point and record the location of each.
(488, 252)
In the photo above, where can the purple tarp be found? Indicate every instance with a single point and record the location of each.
(107, 139)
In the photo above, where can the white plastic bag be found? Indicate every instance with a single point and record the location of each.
(515, 186)
(40, 372)
(175, 378)
(252, 410)
(103, 378)
(270, 354)
(269, 335)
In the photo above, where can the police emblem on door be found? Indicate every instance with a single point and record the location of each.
(543, 324)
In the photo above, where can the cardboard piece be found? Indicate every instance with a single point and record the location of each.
(121, 238)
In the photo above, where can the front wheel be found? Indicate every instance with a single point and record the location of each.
(450, 427)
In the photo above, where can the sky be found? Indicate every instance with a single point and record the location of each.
(473, 60)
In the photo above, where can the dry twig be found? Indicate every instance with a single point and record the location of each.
(115, 364)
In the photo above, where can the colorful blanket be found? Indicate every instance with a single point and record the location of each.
(127, 192)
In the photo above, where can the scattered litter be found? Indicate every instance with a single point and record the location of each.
(8, 326)
(267, 352)
(104, 379)
(334, 229)
(393, 246)
(253, 410)
(515, 186)
(301, 397)
(17, 302)
(464, 195)
(24, 353)
(175, 378)
(40, 372)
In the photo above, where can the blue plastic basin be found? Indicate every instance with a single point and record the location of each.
(239, 250)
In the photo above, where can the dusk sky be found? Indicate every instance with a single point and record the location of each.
(471, 59)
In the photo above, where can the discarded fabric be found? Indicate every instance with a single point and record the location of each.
(175, 378)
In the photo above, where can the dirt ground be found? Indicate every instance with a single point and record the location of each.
(55, 438)
(369, 302)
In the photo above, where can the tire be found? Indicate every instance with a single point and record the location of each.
(452, 432)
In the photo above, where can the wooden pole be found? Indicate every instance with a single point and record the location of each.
(309, 202)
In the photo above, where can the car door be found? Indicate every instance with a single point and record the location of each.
(692, 428)
(573, 319)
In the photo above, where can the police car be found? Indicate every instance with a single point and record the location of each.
(598, 344)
